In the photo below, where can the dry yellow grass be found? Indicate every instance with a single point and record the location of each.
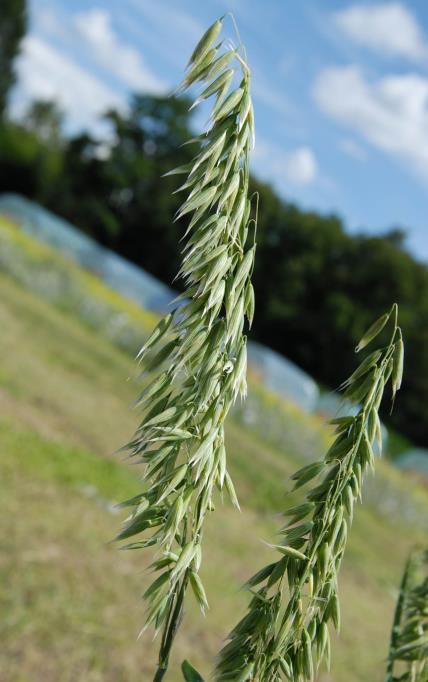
(70, 601)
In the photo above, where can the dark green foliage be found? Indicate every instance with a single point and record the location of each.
(189, 673)
(149, 144)
(44, 118)
(13, 24)
(309, 274)
(28, 165)
(312, 275)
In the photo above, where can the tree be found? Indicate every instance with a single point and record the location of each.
(148, 142)
(45, 119)
(27, 165)
(310, 273)
(13, 26)
(84, 195)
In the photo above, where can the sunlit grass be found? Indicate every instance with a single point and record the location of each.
(68, 604)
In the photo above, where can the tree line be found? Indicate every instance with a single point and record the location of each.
(317, 286)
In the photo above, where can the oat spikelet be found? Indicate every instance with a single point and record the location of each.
(197, 354)
(408, 653)
(284, 634)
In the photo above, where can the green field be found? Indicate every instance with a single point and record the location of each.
(70, 601)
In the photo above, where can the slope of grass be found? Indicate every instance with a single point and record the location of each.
(70, 602)
(60, 280)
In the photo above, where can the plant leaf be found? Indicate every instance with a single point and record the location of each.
(189, 673)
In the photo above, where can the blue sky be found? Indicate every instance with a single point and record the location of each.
(340, 89)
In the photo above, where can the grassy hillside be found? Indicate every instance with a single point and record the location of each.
(70, 601)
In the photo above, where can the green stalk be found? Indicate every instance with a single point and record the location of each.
(396, 623)
(170, 631)
(284, 634)
(196, 356)
(409, 634)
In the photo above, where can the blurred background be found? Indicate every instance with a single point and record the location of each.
(88, 254)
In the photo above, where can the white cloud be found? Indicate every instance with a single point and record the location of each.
(297, 167)
(389, 28)
(170, 30)
(390, 113)
(94, 28)
(300, 166)
(166, 17)
(46, 73)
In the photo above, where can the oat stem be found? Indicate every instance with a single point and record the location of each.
(284, 634)
(197, 355)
